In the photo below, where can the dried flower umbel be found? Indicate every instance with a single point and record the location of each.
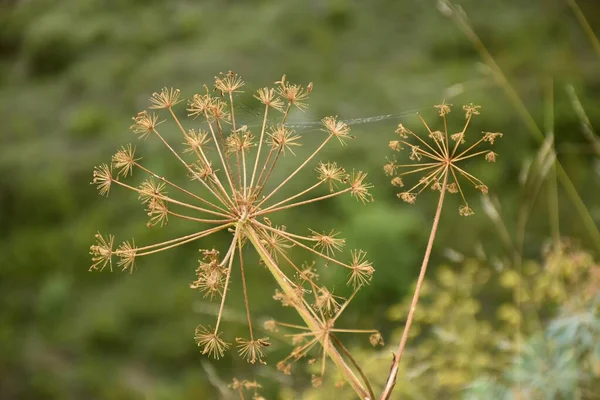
(232, 168)
(436, 155)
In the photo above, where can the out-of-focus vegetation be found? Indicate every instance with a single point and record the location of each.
(73, 73)
(486, 333)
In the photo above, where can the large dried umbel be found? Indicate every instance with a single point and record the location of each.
(436, 157)
(232, 169)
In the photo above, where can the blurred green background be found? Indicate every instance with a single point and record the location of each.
(74, 72)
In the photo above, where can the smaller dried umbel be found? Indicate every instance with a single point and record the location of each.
(437, 157)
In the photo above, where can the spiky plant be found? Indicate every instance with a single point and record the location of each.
(436, 156)
(234, 168)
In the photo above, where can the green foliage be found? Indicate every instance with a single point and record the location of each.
(74, 72)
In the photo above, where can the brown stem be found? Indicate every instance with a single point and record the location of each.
(356, 365)
(304, 312)
(391, 380)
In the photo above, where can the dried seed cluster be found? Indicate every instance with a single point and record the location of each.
(232, 168)
(436, 157)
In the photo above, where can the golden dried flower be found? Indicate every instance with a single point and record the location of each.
(294, 94)
(126, 252)
(326, 302)
(327, 242)
(195, 140)
(361, 270)
(443, 109)
(144, 123)
(397, 181)
(283, 139)
(252, 350)
(102, 252)
(332, 174)
(438, 159)
(151, 190)
(359, 188)
(228, 83)
(211, 342)
(490, 156)
(336, 128)
(236, 170)
(376, 339)
(395, 145)
(268, 98)
(102, 178)
(125, 160)
(491, 136)
(167, 98)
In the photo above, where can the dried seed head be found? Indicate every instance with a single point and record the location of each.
(158, 212)
(228, 83)
(452, 188)
(217, 111)
(201, 171)
(490, 156)
(125, 160)
(332, 174)
(440, 169)
(326, 302)
(271, 326)
(316, 381)
(285, 300)
(200, 104)
(102, 252)
(268, 98)
(252, 350)
(327, 242)
(415, 153)
(408, 197)
(482, 188)
(167, 98)
(211, 342)
(144, 123)
(295, 95)
(239, 141)
(210, 282)
(491, 136)
(395, 145)
(376, 339)
(150, 190)
(390, 168)
(402, 131)
(283, 139)
(126, 252)
(275, 244)
(465, 211)
(284, 367)
(471, 109)
(336, 128)
(195, 140)
(437, 135)
(458, 137)
(443, 109)
(102, 178)
(398, 182)
(359, 188)
(362, 270)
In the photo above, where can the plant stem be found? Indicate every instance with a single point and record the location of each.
(304, 312)
(391, 380)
